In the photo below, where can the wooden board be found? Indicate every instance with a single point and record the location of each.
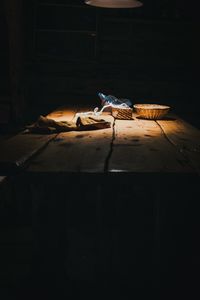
(185, 138)
(15, 152)
(167, 146)
(63, 113)
(141, 146)
(83, 151)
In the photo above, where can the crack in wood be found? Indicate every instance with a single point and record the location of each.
(181, 151)
(25, 162)
(107, 160)
(165, 135)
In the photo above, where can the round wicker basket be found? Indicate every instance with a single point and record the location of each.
(151, 111)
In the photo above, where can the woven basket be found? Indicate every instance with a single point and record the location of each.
(122, 113)
(151, 111)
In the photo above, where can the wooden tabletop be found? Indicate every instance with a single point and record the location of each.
(137, 146)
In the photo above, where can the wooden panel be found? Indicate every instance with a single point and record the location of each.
(156, 51)
(14, 17)
(84, 151)
(185, 138)
(58, 17)
(5, 110)
(15, 152)
(4, 54)
(140, 146)
(63, 113)
(65, 45)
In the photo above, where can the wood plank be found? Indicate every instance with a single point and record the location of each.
(15, 152)
(64, 113)
(84, 151)
(140, 146)
(185, 138)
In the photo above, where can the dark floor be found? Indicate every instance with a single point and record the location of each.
(42, 258)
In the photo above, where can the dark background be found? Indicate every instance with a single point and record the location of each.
(60, 52)
(65, 52)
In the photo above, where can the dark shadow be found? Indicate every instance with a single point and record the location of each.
(191, 117)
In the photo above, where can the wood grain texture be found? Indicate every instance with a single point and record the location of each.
(83, 151)
(15, 152)
(185, 138)
(136, 146)
(141, 146)
(63, 113)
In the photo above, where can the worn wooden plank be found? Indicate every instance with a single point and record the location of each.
(84, 151)
(185, 138)
(140, 146)
(64, 113)
(15, 152)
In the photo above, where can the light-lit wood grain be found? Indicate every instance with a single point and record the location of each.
(80, 151)
(16, 151)
(140, 146)
(185, 138)
(63, 113)
(137, 145)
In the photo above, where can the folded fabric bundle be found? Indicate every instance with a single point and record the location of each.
(46, 125)
(91, 123)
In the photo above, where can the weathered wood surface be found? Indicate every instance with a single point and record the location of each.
(137, 146)
(141, 146)
(185, 138)
(129, 146)
(83, 151)
(16, 151)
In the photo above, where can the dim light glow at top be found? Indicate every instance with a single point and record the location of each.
(115, 3)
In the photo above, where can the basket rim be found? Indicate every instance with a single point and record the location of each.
(151, 106)
(127, 108)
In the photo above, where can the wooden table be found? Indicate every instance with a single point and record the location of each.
(135, 146)
(125, 198)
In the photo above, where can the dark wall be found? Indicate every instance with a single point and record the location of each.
(4, 53)
(146, 54)
(4, 68)
(11, 61)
